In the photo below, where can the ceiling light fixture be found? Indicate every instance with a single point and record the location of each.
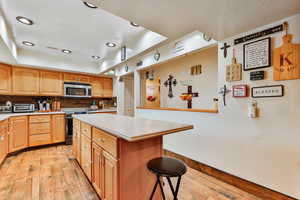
(66, 51)
(134, 24)
(24, 20)
(89, 5)
(96, 57)
(30, 44)
(111, 44)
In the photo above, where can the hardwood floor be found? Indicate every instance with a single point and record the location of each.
(49, 174)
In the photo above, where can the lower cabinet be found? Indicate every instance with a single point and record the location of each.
(39, 130)
(3, 140)
(97, 169)
(18, 133)
(58, 128)
(86, 155)
(110, 177)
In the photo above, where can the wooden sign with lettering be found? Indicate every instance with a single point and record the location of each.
(286, 60)
(152, 93)
(234, 71)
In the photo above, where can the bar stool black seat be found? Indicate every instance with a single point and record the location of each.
(167, 167)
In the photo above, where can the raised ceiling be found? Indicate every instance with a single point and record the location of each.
(218, 18)
(71, 25)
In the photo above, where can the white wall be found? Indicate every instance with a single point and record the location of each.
(264, 150)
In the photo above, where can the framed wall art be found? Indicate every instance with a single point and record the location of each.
(267, 91)
(257, 54)
(240, 91)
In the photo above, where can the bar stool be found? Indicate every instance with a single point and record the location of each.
(166, 167)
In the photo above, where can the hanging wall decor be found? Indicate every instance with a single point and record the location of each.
(286, 59)
(234, 70)
(196, 70)
(224, 48)
(171, 81)
(156, 56)
(240, 91)
(267, 91)
(189, 96)
(257, 75)
(140, 63)
(224, 90)
(257, 54)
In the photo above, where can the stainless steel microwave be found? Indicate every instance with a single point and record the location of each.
(72, 89)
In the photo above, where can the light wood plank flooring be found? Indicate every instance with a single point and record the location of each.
(49, 174)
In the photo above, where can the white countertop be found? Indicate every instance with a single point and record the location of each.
(131, 128)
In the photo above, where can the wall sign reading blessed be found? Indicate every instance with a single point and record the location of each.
(267, 91)
(257, 54)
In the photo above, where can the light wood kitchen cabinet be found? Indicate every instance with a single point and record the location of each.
(51, 83)
(76, 146)
(68, 77)
(3, 140)
(18, 133)
(86, 155)
(5, 79)
(97, 86)
(25, 81)
(107, 87)
(110, 177)
(39, 130)
(97, 169)
(58, 128)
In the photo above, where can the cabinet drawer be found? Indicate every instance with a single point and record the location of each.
(39, 118)
(41, 139)
(39, 128)
(86, 129)
(106, 141)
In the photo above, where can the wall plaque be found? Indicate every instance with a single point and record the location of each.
(240, 91)
(257, 54)
(257, 75)
(267, 91)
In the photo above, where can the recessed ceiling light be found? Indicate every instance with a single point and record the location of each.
(134, 24)
(110, 44)
(28, 43)
(24, 20)
(89, 5)
(96, 57)
(66, 51)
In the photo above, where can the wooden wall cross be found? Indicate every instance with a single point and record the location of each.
(189, 96)
(171, 81)
(224, 48)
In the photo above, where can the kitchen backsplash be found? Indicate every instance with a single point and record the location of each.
(65, 102)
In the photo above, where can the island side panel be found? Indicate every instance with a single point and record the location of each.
(136, 181)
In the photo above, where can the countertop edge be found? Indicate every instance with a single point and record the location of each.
(179, 109)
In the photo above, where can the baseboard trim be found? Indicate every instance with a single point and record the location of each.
(250, 187)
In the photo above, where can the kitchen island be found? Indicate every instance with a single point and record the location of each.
(113, 151)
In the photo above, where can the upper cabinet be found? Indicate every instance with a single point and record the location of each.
(51, 83)
(25, 81)
(107, 87)
(5, 79)
(68, 77)
(97, 85)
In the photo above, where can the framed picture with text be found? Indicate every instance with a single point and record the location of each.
(267, 91)
(257, 54)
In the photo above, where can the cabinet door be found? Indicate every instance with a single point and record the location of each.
(3, 140)
(25, 81)
(76, 78)
(86, 156)
(51, 83)
(110, 177)
(97, 87)
(18, 133)
(97, 169)
(5, 79)
(107, 87)
(58, 128)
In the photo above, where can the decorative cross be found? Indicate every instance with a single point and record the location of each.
(225, 49)
(171, 81)
(191, 94)
(224, 91)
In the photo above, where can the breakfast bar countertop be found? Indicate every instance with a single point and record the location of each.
(131, 128)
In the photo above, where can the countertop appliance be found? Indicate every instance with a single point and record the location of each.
(21, 108)
(72, 89)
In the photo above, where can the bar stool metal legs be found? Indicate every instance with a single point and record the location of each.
(158, 182)
(174, 192)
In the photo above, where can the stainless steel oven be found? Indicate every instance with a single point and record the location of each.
(72, 89)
